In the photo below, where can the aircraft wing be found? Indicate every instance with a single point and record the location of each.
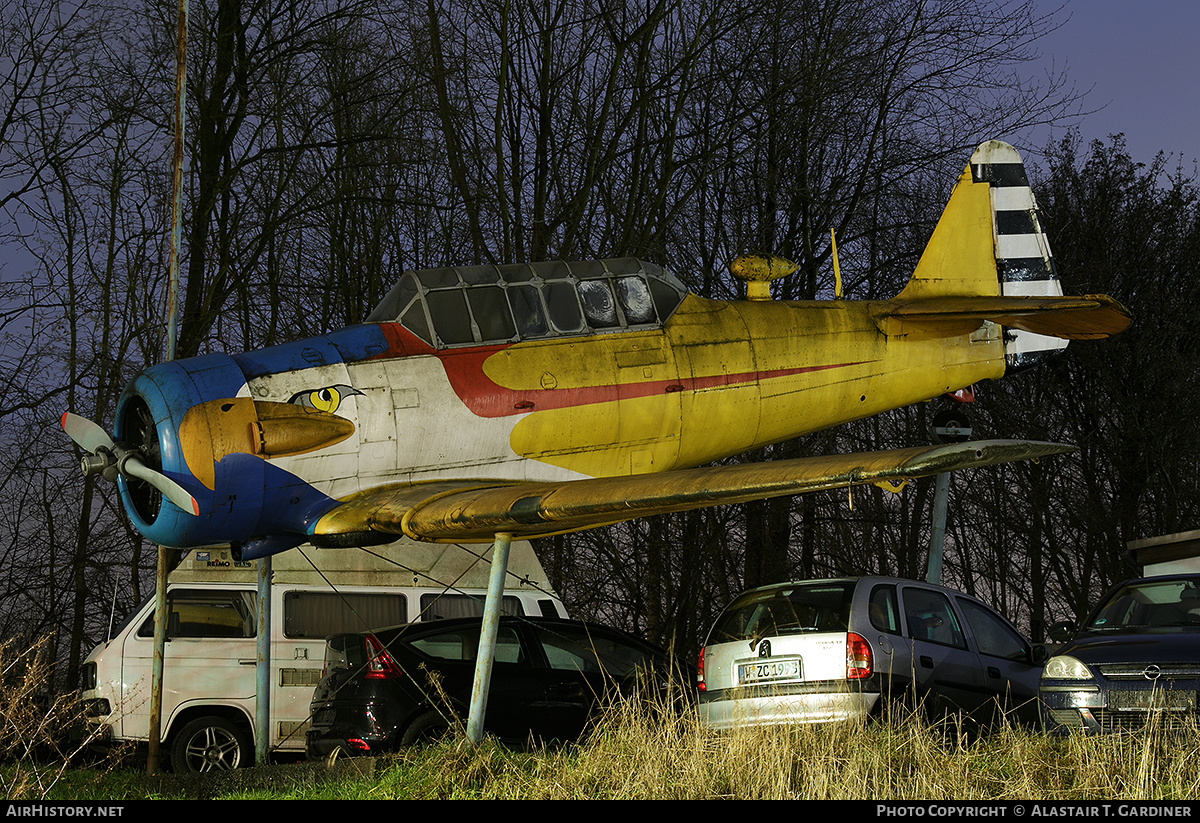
(474, 511)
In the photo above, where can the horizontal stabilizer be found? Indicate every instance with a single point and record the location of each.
(1090, 317)
(474, 511)
(991, 243)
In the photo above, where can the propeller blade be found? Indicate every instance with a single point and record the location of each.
(91, 438)
(85, 433)
(171, 490)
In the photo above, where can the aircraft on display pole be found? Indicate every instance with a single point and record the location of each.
(543, 398)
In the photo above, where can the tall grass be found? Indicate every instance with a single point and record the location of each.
(635, 753)
(36, 744)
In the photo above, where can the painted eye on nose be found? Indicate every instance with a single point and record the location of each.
(327, 399)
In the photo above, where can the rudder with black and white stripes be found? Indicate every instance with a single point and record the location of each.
(1024, 264)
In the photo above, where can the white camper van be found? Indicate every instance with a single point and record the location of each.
(209, 664)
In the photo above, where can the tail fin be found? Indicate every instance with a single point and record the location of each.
(989, 243)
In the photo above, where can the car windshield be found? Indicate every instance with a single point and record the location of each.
(1149, 603)
(816, 607)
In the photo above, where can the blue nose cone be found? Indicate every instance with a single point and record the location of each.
(148, 416)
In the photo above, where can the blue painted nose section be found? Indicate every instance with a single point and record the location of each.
(149, 413)
(250, 498)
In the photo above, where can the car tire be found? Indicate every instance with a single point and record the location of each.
(426, 728)
(210, 744)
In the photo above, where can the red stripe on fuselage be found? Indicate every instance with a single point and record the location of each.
(486, 398)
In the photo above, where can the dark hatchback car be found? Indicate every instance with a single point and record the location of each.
(390, 688)
(1135, 657)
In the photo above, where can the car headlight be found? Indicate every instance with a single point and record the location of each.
(1065, 667)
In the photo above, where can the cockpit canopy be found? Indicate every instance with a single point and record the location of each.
(473, 305)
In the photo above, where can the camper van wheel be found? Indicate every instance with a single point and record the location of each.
(210, 744)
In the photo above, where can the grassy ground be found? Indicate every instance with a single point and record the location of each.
(634, 754)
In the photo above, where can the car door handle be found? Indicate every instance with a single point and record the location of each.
(993, 672)
(926, 661)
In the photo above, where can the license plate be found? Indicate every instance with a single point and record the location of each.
(769, 670)
(1161, 699)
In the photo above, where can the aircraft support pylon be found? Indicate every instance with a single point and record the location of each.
(487, 636)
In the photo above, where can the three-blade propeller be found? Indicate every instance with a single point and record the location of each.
(110, 459)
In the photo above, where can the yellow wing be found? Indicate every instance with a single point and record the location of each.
(476, 510)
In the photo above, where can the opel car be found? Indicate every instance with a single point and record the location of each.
(1134, 659)
(823, 650)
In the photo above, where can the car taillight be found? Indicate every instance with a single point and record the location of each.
(380, 665)
(858, 657)
(700, 671)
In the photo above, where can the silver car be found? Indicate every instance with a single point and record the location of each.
(821, 650)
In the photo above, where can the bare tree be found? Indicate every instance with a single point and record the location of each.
(334, 143)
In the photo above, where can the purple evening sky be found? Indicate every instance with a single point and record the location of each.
(1140, 64)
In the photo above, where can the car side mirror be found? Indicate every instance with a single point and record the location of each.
(1061, 631)
(1038, 654)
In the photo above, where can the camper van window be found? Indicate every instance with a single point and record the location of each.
(199, 613)
(320, 614)
(448, 606)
